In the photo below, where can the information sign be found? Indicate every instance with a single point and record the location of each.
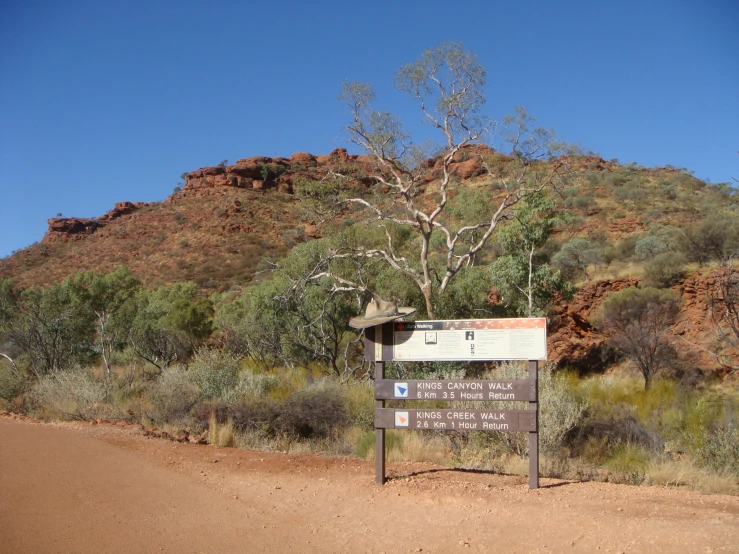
(457, 340)
(468, 390)
(470, 340)
(453, 420)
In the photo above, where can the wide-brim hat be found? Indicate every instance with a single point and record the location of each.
(379, 312)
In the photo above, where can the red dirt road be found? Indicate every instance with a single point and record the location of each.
(83, 489)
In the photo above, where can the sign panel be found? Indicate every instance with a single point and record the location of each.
(456, 420)
(470, 340)
(386, 389)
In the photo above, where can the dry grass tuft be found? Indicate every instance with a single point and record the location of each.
(221, 434)
(417, 447)
(684, 473)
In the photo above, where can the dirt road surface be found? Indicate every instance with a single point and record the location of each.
(74, 488)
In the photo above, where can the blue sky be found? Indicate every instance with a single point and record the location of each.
(110, 101)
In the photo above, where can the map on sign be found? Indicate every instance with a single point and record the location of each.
(470, 339)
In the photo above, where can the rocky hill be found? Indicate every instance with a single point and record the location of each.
(227, 222)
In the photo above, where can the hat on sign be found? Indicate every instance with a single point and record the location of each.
(378, 312)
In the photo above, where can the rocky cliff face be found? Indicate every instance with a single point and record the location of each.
(572, 340)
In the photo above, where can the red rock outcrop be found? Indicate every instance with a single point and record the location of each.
(62, 229)
(572, 340)
(69, 228)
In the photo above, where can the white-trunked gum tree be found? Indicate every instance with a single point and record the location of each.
(434, 231)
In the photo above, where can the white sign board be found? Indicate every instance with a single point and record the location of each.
(470, 340)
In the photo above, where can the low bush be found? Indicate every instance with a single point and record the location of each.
(11, 384)
(559, 410)
(68, 395)
(614, 429)
(628, 464)
(257, 417)
(250, 386)
(664, 270)
(172, 396)
(648, 247)
(316, 411)
(361, 405)
(720, 449)
(214, 372)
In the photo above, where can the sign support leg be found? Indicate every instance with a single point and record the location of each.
(534, 435)
(379, 433)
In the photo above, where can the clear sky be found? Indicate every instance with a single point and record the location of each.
(105, 101)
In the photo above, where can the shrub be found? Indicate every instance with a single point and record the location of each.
(601, 434)
(361, 405)
(648, 247)
(575, 257)
(559, 410)
(251, 386)
(258, 416)
(68, 395)
(720, 449)
(627, 246)
(708, 240)
(172, 395)
(315, 411)
(214, 372)
(629, 462)
(664, 270)
(11, 384)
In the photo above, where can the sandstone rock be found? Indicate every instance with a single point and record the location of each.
(468, 168)
(254, 159)
(247, 168)
(572, 340)
(311, 230)
(215, 170)
(72, 225)
(303, 158)
(340, 153)
(120, 209)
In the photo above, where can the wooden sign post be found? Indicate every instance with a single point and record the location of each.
(457, 340)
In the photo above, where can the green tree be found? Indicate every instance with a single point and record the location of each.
(637, 323)
(291, 320)
(167, 324)
(104, 296)
(524, 280)
(249, 327)
(52, 330)
(419, 237)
